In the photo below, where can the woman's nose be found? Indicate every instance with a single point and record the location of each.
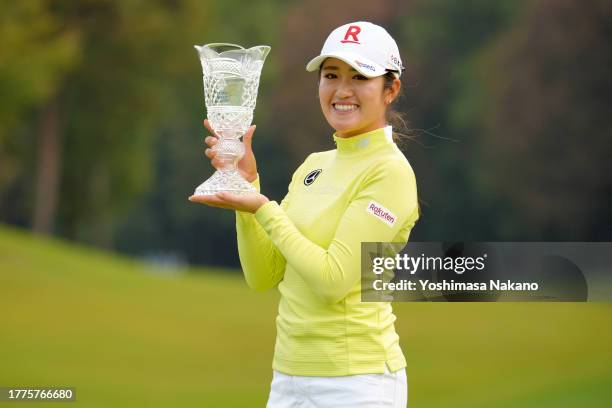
(344, 90)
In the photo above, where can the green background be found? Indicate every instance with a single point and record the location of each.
(128, 335)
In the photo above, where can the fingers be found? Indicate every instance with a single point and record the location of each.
(208, 126)
(211, 200)
(220, 198)
(248, 137)
(229, 198)
(212, 155)
(210, 141)
(210, 152)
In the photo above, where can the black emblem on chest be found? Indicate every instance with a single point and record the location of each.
(311, 177)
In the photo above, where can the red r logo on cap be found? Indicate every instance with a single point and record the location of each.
(352, 32)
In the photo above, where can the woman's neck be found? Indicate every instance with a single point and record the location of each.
(351, 133)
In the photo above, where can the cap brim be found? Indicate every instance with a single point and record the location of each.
(364, 66)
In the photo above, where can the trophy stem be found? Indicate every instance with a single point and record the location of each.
(227, 177)
(228, 162)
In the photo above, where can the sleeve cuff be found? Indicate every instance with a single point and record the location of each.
(254, 183)
(267, 212)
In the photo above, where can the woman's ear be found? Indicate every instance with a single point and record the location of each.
(395, 88)
(392, 92)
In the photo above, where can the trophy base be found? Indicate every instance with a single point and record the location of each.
(227, 180)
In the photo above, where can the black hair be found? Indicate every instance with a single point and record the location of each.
(393, 117)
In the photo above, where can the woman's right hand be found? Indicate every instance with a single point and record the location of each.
(247, 166)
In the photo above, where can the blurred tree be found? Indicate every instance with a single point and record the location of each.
(102, 105)
(97, 117)
(440, 39)
(36, 52)
(546, 129)
(162, 221)
(113, 104)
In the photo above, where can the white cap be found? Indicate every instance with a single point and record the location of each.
(365, 46)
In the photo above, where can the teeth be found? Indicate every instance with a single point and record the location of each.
(345, 107)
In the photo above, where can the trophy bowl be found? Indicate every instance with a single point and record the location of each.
(231, 79)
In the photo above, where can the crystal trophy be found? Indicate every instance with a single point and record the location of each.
(231, 79)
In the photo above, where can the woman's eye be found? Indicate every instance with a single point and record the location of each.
(333, 76)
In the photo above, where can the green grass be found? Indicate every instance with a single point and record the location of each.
(125, 337)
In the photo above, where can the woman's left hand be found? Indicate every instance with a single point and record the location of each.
(246, 203)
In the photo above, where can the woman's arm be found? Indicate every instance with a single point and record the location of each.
(334, 271)
(262, 262)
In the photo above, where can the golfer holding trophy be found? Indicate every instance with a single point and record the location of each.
(332, 349)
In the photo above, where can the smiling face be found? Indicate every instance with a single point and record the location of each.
(352, 103)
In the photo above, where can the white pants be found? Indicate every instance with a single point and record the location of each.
(388, 390)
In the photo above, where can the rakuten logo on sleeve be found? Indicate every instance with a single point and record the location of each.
(381, 212)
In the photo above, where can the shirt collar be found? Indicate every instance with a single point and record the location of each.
(364, 142)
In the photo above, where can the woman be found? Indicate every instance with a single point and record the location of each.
(332, 350)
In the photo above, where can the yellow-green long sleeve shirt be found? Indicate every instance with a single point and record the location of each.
(310, 244)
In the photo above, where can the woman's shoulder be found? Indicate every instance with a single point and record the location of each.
(313, 159)
(392, 164)
(324, 154)
(318, 157)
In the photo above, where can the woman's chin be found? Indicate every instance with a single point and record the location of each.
(344, 127)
